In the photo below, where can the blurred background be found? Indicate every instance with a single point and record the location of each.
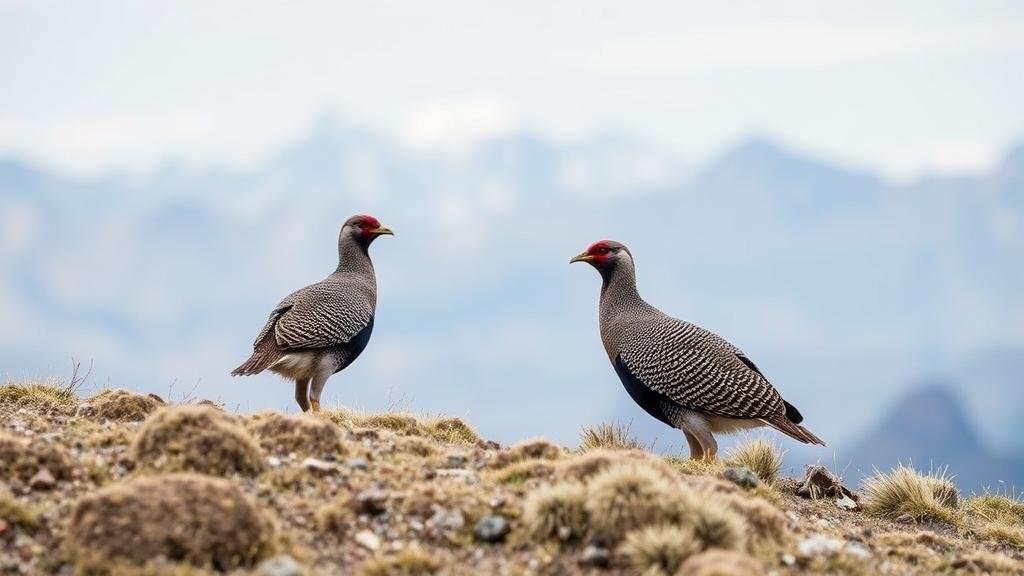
(838, 190)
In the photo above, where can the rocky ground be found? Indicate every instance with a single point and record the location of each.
(122, 483)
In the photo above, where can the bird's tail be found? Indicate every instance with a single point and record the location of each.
(258, 362)
(793, 430)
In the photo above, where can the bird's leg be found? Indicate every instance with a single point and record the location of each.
(316, 388)
(696, 450)
(302, 393)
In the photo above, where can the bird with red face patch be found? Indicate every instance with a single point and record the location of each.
(319, 330)
(682, 374)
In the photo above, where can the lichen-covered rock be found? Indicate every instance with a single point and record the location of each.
(183, 518)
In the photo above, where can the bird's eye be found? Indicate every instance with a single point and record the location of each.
(602, 250)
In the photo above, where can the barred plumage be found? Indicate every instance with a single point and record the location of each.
(322, 328)
(680, 373)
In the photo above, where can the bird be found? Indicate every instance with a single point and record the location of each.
(319, 330)
(685, 376)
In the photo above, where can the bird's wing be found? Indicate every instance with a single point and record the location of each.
(322, 315)
(698, 369)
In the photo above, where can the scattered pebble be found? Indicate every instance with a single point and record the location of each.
(370, 501)
(273, 462)
(595, 556)
(787, 559)
(491, 528)
(847, 503)
(456, 461)
(318, 465)
(43, 480)
(446, 519)
(283, 565)
(817, 545)
(367, 540)
(357, 463)
(742, 477)
(905, 519)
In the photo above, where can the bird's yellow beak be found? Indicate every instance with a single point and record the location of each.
(581, 257)
(383, 231)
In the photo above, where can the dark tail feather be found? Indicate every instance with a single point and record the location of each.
(258, 362)
(793, 430)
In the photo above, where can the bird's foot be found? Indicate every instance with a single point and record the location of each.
(316, 405)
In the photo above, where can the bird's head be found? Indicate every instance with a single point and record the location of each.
(364, 228)
(603, 255)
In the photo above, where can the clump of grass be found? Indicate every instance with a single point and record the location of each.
(415, 446)
(336, 517)
(187, 518)
(22, 458)
(524, 470)
(625, 498)
(946, 493)
(556, 511)
(765, 522)
(658, 550)
(121, 405)
(412, 561)
(715, 525)
(609, 436)
(38, 396)
(583, 467)
(533, 449)
(1001, 533)
(980, 562)
(906, 491)
(302, 435)
(451, 430)
(721, 563)
(16, 513)
(196, 438)
(700, 467)
(996, 508)
(762, 456)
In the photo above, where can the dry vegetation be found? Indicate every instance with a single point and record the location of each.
(122, 483)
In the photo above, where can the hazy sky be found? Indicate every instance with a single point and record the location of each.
(903, 88)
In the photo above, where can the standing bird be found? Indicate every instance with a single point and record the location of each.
(683, 375)
(320, 329)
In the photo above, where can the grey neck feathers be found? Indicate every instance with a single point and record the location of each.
(353, 256)
(618, 287)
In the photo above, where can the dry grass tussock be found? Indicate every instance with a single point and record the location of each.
(16, 512)
(556, 511)
(196, 438)
(121, 405)
(303, 435)
(186, 518)
(625, 498)
(905, 491)
(533, 449)
(49, 396)
(445, 429)
(658, 550)
(721, 563)
(22, 458)
(582, 467)
(411, 561)
(609, 436)
(762, 456)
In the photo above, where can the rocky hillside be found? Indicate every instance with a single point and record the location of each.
(122, 483)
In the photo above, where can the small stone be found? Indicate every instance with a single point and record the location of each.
(858, 551)
(817, 545)
(491, 528)
(370, 501)
(283, 565)
(468, 476)
(595, 556)
(456, 461)
(274, 462)
(43, 480)
(357, 463)
(448, 519)
(819, 482)
(787, 559)
(318, 465)
(742, 477)
(367, 540)
(847, 503)
(905, 519)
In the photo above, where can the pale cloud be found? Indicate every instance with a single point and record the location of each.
(795, 46)
(456, 124)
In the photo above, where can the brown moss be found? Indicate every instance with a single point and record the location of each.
(21, 458)
(522, 471)
(186, 518)
(625, 498)
(336, 517)
(721, 563)
(121, 405)
(534, 449)
(416, 446)
(17, 513)
(556, 511)
(196, 438)
(658, 550)
(765, 522)
(982, 562)
(583, 467)
(302, 434)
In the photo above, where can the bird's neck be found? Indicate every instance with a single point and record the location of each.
(618, 288)
(354, 257)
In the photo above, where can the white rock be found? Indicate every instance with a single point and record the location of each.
(367, 540)
(817, 545)
(319, 465)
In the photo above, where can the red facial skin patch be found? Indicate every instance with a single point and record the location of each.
(369, 224)
(601, 251)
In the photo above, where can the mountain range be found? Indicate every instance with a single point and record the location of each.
(843, 287)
